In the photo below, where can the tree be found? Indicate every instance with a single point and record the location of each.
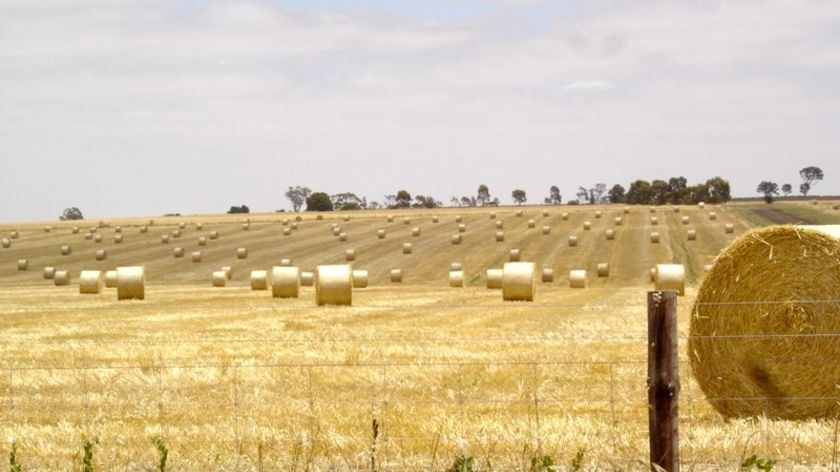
(71, 214)
(239, 209)
(616, 194)
(347, 201)
(297, 195)
(639, 192)
(403, 199)
(659, 192)
(768, 189)
(483, 197)
(318, 201)
(583, 195)
(677, 190)
(519, 196)
(554, 197)
(699, 193)
(810, 176)
(455, 202)
(468, 201)
(426, 201)
(598, 193)
(787, 189)
(719, 191)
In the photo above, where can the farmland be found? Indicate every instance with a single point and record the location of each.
(410, 377)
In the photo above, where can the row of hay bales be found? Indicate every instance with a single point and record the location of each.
(130, 282)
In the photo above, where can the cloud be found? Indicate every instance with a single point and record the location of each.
(586, 85)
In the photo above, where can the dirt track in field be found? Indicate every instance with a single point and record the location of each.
(779, 217)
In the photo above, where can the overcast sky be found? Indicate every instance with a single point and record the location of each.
(142, 107)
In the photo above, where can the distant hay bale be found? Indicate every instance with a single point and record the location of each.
(532, 223)
(144, 229)
(729, 228)
(573, 241)
(14, 234)
(712, 215)
(242, 253)
(228, 270)
(196, 256)
(547, 275)
(587, 225)
(22, 264)
(500, 236)
(406, 220)
(307, 279)
(298, 218)
(654, 220)
(456, 279)
(164, 239)
(577, 278)
(342, 236)
(199, 226)
(396, 276)
(118, 229)
(111, 279)
(546, 230)
(89, 236)
(259, 280)
(118, 239)
(500, 224)
(294, 226)
(285, 282)
(61, 278)
(685, 220)
(176, 233)
(407, 248)
(670, 277)
(213, 235)
(90, 282)
(545, 213)
(350, 255)
(380, 234)
(360, 278)
(6, 243)
(603, 269)
(286, 262)
(459, 218)
(610, 235)
(456, 239)
(202, 241)
(492, 215)
(319, 217)
(652, 209)
(346, 217)
(101, 255)
(390, 218)
(626, 210)
(676, 209)
(654, 237)
(97, 238)
(287, 231)
(618, 221)
(519, 213)
(333, 285)
(691, 234)
(178, 252)
(453, 266)
(835, 207)
(494, 278)
(514, 255)
(462, 228)
(246, 226)
(219, 278)
(66, 250)
(701, 205)
(435, 219)
(564, 216)
(415, 232)
(182, 225)
(49, 273)
(814, 202)
(598, 214)
(131, 283)
(519, 281)
(763, 332)
(336, 231)
(75, 230)
(47, 229)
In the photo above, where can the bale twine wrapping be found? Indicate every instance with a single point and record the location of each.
(519, 281)
(769, 282)
(350, 255)
(202, 241)
(532, 223)
(514, 255)
(259, 280)
(214, 235)
(712, 215)
(101, 255)
(396, 276)
(670, 277)
(456, 278)
(547, 275)
(360, 278)
(685, 220)
(573, 241)
(577, 278)
(178, 252)
(333, 285)
(66, 250)
(219, 278)
(242, 253)
(618, 221)
(118, 239)
(110, 279)
(729, 228)
(415, 231)
(603, 269)
(455, 266)
(380, 234)
(500, 236)
(342, 236)
(456, 239)
(654, 237)
(610, 235)
(61, 278)
(691, 235)
(285, 282)
(6, 243)
(587, 225)
(131, 283)
(462, 228)
(546, 230)
(90, 282)
(196, 256)
(307, 279)
(49, 273)
(406, 248)
(23, 264)
(494, 278)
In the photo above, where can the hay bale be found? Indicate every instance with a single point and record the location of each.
(396, 276)
(360, 278)
(6, 243)
(259, 280)
(307, 279)
(346, 217)
(75, 230)
(577, 278)
(500, 236)
(178, 252)
(587, 225)
(610, 235)
(407, 248)
(763, 333)
(22, 264)
(653, 274)
(453, 266)
(835, 207)
(97, 238)
(101, 255)
(685, 220)
(66, 250)
(88, 236)
(519, 213)
(196, 256)
(415, 231)
(701, 205)
(712, 215)
(564, 216)
(406, 220)
(202, 241)
(500, 224)
(462, 228)
(164, 239)
(435, 219)
(670, 277)
(654, 237)
(118, 239)
(117, 229)
(286, 262)
(380, 234)
(603, 269)
(573, 241)
(456, 278)
(319, 217)
(285, 282)
(342, 236)
(532, 223)
(131, 283)
(14, 234)
(652, 209)
(459, 218)
(514, 255)
(333, 285)
(246, 226)
(547, 275)
(219, 278)
(49, 273)
(242, 253)
(545, 213)
(336, 231)
(61, 278)
(494, 278)
(144, 229)
(199, 226)
(294, 226)
(182, 225)
(214, 235)
(350, 255)
(176, 233)
(626, 210)
(492, 215)
(654, 220)
(110, 279)
(691, 234)
(519, 281)
(676, 209)
(390, 218)
(298, 218)
(456, 239)
(729, 228)
(90, 282)
(228, 270)
(598, 214)
(546, 230)
(618, 221)
(287, 231)
(47, 228)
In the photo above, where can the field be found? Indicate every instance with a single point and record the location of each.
(411, 377)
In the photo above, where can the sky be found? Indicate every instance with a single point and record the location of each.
(146, 107)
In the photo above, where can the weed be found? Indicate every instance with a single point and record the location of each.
(462, 464)
(765, 465)
(14, 465)
(542, 464)
(163, 454)
(577, 461)
(87, 457)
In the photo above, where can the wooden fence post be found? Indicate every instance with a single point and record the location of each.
(663, 381)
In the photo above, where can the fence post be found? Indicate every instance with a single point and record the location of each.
(663, 381)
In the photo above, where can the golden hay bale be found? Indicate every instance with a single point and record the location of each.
(691, 234)
(685, 220)
(23, 264)
(654, 237)
(564, 216)
(598, 214)
(97, 238)
(319, 217)
(519, 281)
(547, 275)
(729, 228)
(492, 215)
(294, 226)
(246, 226)
(532, 223)
(196, 256)
(626, 210)
(182, 225)
(453, 266)
(61, 278)
(406, 248)
(118, 239)
(298, 218)
(459, 218)
(101, 255)
(14, 234)
(110, 279)
(835, 207)
(494, 278)
(144, 229)
(66, 250)
(415, 231)
(519, 213)
(228, 270)
(342, 236)
(587, 225)
(176, 233)
(701, 205)
(435, 219)
(456, 239)
(259, 280)
(653, 209)
(462, 228)
(577, 278)
(131, 283)
(346, 217)
(618, 221)
(610, 235)
(333, 285)
(406, 220)
(712, 215)
(118, 229)
(6, 243)
(285, 262)
(670, 277)
(350, 255)
(603, 269)
(287, 231)
(202, 241)
(336, 231)
(199, 226)
(763, 333)
(214, 235)
(285, 282)
(75, 230)
(514, 255)
(500, 236)
(380, 234)
(456, 278)
(500, 224)
(545, 213)
(654, 220)
(47, 229)
(573, 241)
(49, 273)
(546, 230)
(219, 278)
(307, 279)
(90, 282)
(390, 218)
(178, 252)
(88, 236)
(242, 253)
(396, 276)
(676, 209)
(164, 239)
(360, 278)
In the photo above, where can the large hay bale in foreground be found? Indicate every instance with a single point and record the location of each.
(764, 329)
(519, 281)
(131, 283)
(334, 285)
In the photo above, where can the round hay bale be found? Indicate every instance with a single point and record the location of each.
(618, 221)
(164, 239)
(453, 266)
(456, 278)
(729, 228)
(610, 235)
(182, 225)
(110, 279)
(577, 278)
(61, 278)
(47, 229)
(835, 207)
(587, 225)
(101, 255)
(118, 239)
(298, 218)
(90, 282)
(75, 230)
(598, 214)
(407, 248)
(712, 215)
(246, 226)
(294, 226)
(532, 223)
(406, 220)
(652, 209)
(319, 217)
(360, 278)
(285, 282)
(259, 280)
(333, 285)
(214, 235)
(685, 220)
(117, 229)
(462, 228)
(196, 256)
(564, 216)
(228, 270)
(342, 236)
(97, 238)
(6, 243)
(380, 234)
(307, 279)
(22, 264)
(202, 241)
(691, 235)
(492, 215)
(350, 255)
(654, 220)
(178, 252)
(456, 239)
(500, 236)
(242, 253)
(670, 277)
(494, 278)
(676, 209)
(176, 233)
(547, 275)
(219, 278)
(396, 276)
(14, 234)
(144, 229)
(626, 210)
(287, 231)
(763, 333)
(285, 262)
(390, 218)
(519, 281)
(66, 250)
(88, 236)
(346, 217)
(519, 213)
(131, 283)
(654, 237)
(49, 273)
(545, 213)
(701, 205)
(500, 224)
(459, 218)
(514, 255)
(415, 231)
(199, 226)
(603, 269)
(435, 219)
(573, 241)
(336, 231)
(546, 230)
